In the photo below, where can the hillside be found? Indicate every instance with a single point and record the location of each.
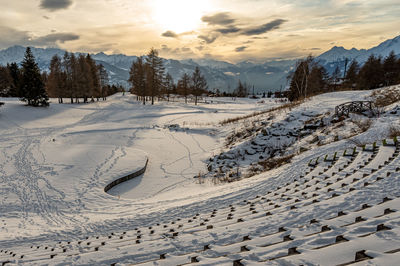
(335, 203)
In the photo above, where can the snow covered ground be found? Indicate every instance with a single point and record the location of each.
(55, 163)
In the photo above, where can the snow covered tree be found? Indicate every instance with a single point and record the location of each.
(32, 86)
(199, 84)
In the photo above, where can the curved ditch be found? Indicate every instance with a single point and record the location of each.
(126, 178)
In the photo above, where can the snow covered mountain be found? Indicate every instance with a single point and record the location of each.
(220, 75)
(338, 55)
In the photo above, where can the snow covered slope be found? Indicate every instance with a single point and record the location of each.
(54, 164)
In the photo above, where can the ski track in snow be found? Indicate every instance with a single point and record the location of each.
(37, 195)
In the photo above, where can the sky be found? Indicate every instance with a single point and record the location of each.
(230, 30)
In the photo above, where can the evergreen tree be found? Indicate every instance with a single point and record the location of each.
(351, 78)
(199, 84)
(371, 75)
(32, 86)
(318, 80)
(6, 82)
(391, 69)
(16, 77)
(155, 73)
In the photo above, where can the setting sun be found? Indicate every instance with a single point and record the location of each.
(179, 15)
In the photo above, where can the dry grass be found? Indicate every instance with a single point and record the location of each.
(281, 107)
(394, 131)
(362, 124)
(276, 162)
(386, 96)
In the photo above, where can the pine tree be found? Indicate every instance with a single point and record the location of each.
(16, 77)
(32, 86)
(318, 80)
(6, 82)
(371, 75)
(391, 69)
(351, 78)
(155, 73)
(199, 84)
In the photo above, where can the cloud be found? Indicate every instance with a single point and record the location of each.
(223, 18)
(228, 30)
(53, 38)
(275, 24)
(241, 49)
(208, 39)
(54, 5)
(170, 34)
(10, 37)
(179, 52)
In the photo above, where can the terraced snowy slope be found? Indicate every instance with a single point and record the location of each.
(336, 211)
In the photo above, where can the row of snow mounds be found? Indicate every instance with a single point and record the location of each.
(339, 212)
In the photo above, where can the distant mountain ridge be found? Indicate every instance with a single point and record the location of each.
(220, 75)
(337, 56)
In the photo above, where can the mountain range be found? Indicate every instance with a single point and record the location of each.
(270, 75)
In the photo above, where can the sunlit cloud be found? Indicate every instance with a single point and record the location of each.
(221, 29)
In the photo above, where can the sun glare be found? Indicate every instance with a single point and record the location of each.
(180, 15)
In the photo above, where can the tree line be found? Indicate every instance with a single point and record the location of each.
(73, 77)
(149, 80)
(310, 78)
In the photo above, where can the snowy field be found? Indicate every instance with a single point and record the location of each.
(55, 163)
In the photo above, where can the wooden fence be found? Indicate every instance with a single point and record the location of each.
(353, 107)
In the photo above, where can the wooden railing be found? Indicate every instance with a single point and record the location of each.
(353, 107)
